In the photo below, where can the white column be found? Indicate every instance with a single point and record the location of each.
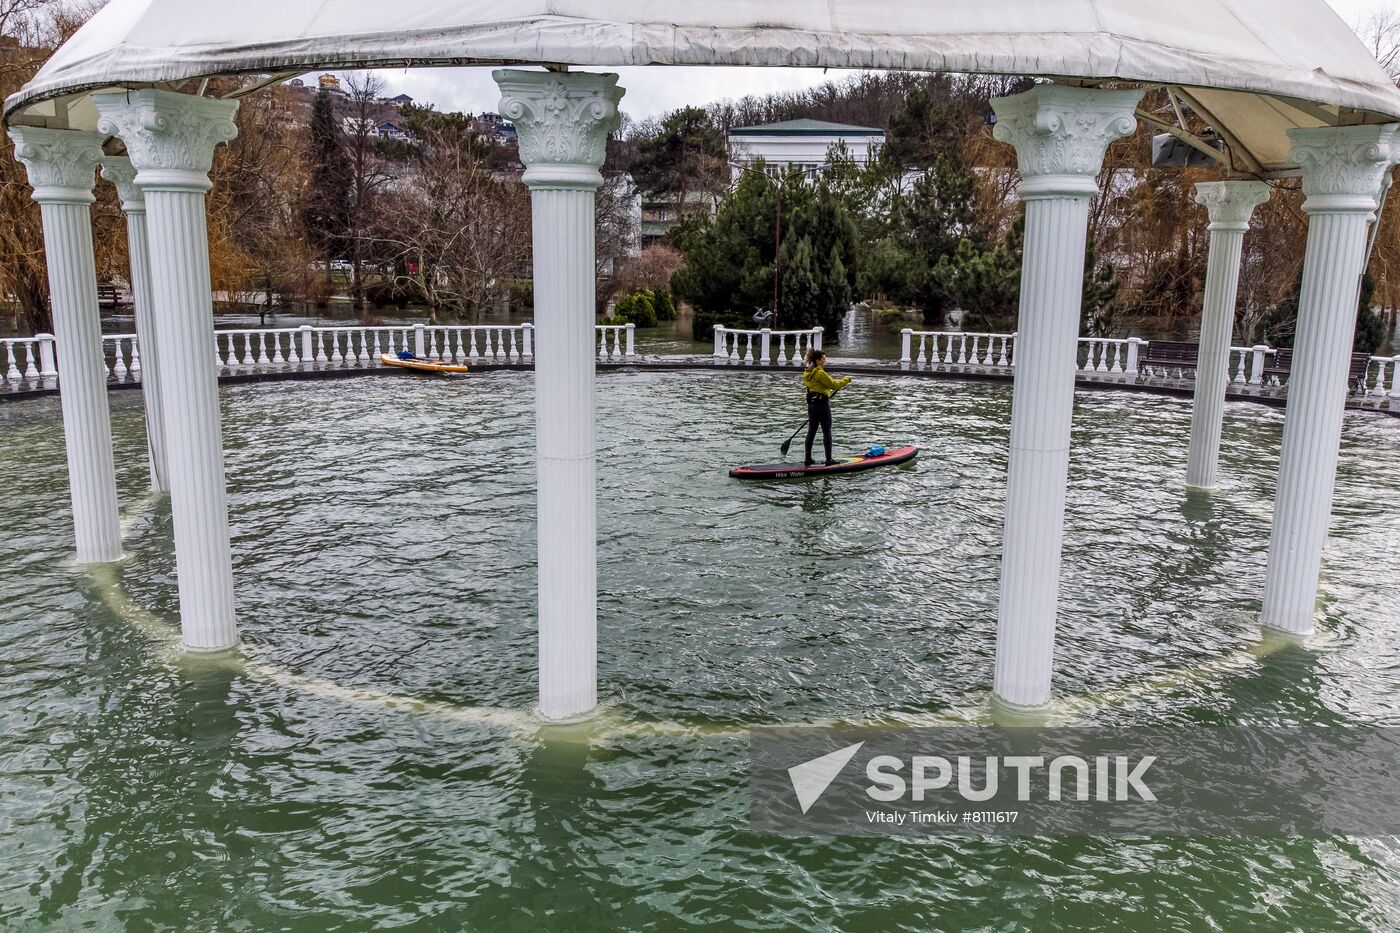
(62, 166)
(563, 121)
(1342, 172)
(1060, 135)
(171, 138)
(120, 172)
(1229, 205)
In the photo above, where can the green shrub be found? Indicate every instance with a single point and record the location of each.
(895, 319)
(637, 308)
(702, 325)
(665, 306)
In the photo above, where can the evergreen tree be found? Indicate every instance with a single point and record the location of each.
(686, 155)
(938, 216)
(730, 271)
(326, 212)
(1097, 310)
(985, 283)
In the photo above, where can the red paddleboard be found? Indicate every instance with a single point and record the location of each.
(891, 457)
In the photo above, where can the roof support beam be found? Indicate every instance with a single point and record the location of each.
(1189, 139)
(1237, 148)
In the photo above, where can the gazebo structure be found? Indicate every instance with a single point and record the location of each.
(1285, 84)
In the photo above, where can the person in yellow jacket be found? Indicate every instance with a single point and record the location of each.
(820, 387)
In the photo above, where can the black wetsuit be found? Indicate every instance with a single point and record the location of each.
(818, 415)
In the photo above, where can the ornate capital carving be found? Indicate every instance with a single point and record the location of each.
(61, 163)
(120, 172)
(1061, 134)
(1344, 166)
(1230, 204)
(170, 137)
(563, 122)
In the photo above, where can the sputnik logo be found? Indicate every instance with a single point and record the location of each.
(811, 778)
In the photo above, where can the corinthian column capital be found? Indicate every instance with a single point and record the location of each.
(122, 174)
(1344, 166)
(1061, 134)
(61, 163)
(170, 137)
(1230, 204)
(563, 122)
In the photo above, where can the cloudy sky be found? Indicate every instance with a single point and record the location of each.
(655, 90)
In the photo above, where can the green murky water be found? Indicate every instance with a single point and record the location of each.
(383, 545)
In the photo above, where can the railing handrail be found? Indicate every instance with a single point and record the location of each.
(762, 330)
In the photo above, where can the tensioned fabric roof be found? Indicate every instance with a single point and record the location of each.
(1252, 68)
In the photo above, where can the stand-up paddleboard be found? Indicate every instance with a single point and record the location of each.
(421, 365)
(891, 457)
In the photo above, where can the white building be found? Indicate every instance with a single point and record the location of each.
(800, 144)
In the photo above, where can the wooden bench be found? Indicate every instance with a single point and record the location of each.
(1172, 354)
(108, 296)
(1283, 362)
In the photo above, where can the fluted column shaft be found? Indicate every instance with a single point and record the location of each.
(1230, 204)
(62, 166)
(170, 139)
(563, 122)
(1060, 135)
(1343, 168)
(566, 451)
(122, 173)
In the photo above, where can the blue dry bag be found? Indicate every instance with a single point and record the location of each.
(876, 451)
(407, 355)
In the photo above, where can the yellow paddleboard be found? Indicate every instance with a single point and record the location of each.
(422, 366)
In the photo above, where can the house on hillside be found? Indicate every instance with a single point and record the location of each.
(800, 144)
(391, 130)
(494, 127)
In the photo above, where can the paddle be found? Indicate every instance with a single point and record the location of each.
(788, 443)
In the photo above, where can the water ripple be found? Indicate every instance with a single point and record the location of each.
(383, 539)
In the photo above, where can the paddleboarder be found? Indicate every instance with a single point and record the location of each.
(820, 387)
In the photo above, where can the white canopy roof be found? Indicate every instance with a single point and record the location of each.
(1253, 68)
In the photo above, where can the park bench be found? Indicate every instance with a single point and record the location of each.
(108, 296)
(1283, 362)
(1172, 354)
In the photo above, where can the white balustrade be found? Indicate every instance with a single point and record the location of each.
(956, 348)
(30, 362)
(1382, 377)
(121, 358)
(27, 362)
(765, 347)
(616, 342)
(1103, 355)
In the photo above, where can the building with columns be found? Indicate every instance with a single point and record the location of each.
(1307, 102)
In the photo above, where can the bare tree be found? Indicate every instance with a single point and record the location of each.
(256, 250)
(29, 32)
(369, 171)
(459, 231)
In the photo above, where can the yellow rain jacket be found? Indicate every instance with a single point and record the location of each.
(819, 380)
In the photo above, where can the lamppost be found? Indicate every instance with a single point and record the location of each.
(779, 183)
